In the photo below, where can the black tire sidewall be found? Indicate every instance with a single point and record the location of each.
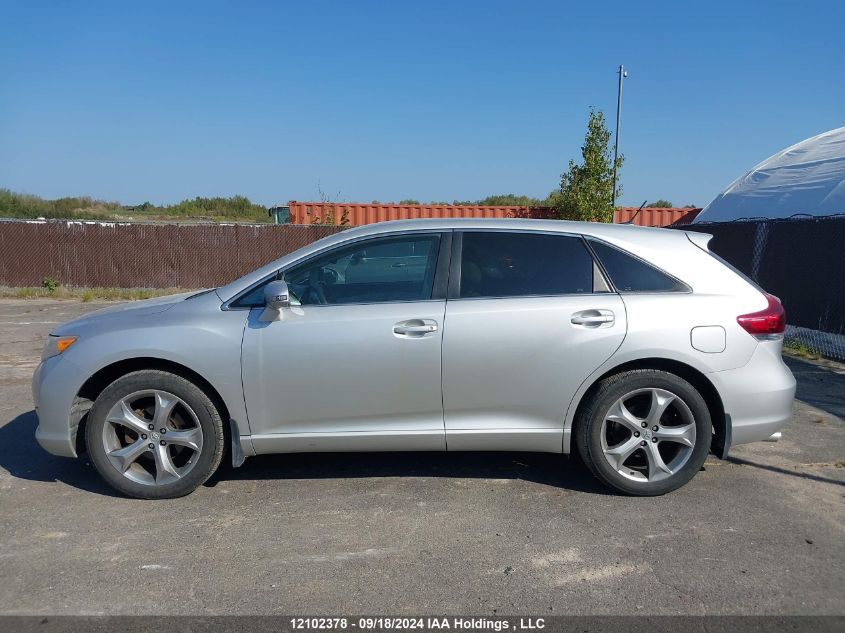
(207, 414)
(588, 434)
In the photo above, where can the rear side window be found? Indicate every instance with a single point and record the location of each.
(498, 264)
(631, 274)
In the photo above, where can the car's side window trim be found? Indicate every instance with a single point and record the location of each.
(598, 263)
(457, 250)
(687, 289)
(601, 282)
(440, 277)
(454, 289)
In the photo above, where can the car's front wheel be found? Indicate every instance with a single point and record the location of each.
(154, 435)
(644, 432)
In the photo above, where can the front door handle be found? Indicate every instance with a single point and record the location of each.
(593, 318)
(415, 328)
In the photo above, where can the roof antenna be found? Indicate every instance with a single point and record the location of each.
(631, 221)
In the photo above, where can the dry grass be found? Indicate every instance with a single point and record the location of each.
(794, 347)
(87, 294)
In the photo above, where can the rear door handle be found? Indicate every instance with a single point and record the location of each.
(593, 318)
(415, 328)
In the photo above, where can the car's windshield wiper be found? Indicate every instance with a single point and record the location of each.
(200, 293)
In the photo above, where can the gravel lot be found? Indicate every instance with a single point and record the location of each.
(760, 533)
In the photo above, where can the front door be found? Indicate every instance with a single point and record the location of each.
(529, 318)
(356, 364)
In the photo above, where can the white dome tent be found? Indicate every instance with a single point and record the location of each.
(807, 178)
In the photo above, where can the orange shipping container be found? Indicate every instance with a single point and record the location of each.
(357, 214)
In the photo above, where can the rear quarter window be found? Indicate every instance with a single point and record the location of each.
(632, 274)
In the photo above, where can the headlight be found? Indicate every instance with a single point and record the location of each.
(55, 345)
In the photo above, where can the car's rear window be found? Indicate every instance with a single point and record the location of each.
(631, 274)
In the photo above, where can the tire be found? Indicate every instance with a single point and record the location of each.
(144, 462)
(620, 450)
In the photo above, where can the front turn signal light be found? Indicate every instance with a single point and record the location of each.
(56, 345)
(64, 342)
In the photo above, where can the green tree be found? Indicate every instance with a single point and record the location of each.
(511, 200)
(661, 203)
(586, 188)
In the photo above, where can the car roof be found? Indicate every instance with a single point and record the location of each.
(597, 229)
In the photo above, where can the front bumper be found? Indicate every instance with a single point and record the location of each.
(55, 384)
(758, 396)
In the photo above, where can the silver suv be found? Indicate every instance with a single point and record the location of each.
(635, 347)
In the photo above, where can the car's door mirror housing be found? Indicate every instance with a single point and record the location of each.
(276, 298)
(277, 295)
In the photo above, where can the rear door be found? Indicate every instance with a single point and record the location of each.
(529, 317)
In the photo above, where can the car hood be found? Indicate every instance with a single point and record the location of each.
(121, 311)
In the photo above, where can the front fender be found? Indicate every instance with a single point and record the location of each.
(208, 342)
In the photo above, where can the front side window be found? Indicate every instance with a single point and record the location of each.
(379, 270)
(630, 274)
(499, 264)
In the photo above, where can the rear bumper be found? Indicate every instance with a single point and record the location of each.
(758, 396)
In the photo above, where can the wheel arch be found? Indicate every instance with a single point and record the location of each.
(103, 377)
(721, 421)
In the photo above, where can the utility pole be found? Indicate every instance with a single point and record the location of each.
(622, 74)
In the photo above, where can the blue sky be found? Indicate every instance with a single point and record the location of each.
(161, 101)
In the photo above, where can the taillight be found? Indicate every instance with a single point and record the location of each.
(765, 325)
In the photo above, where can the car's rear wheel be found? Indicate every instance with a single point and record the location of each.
(154, 435)
(644, 432)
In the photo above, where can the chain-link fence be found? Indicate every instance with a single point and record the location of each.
(135, 255)
(802, 262)
(799, 260)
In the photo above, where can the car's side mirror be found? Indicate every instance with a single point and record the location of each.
(276, 298)
(276, 295)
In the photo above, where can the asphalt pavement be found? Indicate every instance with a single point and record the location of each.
(760, 533)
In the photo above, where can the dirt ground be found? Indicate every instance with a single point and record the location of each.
(760, 533)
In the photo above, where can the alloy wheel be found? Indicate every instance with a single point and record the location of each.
(152, 437)
(648, 435)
